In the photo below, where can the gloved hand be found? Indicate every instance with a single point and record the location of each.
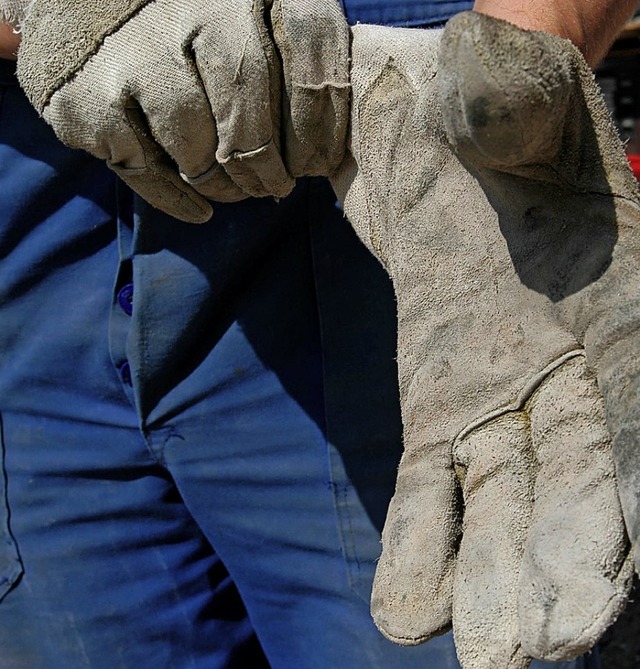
(506, 520)
(183, 98)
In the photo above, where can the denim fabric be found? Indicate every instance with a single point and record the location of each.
(403, 13)
(200, 426)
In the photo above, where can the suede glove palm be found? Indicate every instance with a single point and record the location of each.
(184, 98)
(506, 520)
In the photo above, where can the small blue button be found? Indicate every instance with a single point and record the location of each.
(125, 372)
(125, 298)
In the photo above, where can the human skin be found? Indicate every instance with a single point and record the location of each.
(9, 41)
(591, 26)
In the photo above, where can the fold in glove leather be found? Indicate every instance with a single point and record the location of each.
(184, 98)
(506, 520)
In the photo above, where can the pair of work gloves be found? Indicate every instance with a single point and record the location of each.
(479, 164)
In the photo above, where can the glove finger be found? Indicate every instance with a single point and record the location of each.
(496, 458)
(186, 132)
(625, 442)
(122, 138)
(216, 184)
(170, 91)
(627, 455)
(612, 341)
(411, 599)
(158, 182)
(575, 576)
(244, 93)
(313, 41)
(503, 106)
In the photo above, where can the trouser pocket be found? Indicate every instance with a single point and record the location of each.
(10, 563)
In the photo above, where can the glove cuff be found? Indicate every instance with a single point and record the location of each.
(60, 53)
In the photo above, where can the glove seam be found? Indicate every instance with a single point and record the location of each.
(525, 394)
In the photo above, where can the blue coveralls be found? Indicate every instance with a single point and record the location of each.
(199, 424)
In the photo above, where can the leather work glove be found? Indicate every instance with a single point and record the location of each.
(13, 11)
(184, 98)
(517, 292)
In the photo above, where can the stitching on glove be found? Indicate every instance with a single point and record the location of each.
(246, 155)
(525, 394)
(201, 178)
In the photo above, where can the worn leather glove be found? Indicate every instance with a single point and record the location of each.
(13, 11)
(572, 226)
(183, 98)
(506, 520)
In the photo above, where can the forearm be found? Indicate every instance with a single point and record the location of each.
(591, 26)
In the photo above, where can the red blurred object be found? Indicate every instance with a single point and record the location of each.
(634, 160)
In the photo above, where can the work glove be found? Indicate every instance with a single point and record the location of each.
(517, 290)
(185, 98)
(13, 11)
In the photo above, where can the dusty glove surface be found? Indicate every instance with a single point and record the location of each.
(506, 520)
(572, 225)
(13, 11)
(184, 99)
